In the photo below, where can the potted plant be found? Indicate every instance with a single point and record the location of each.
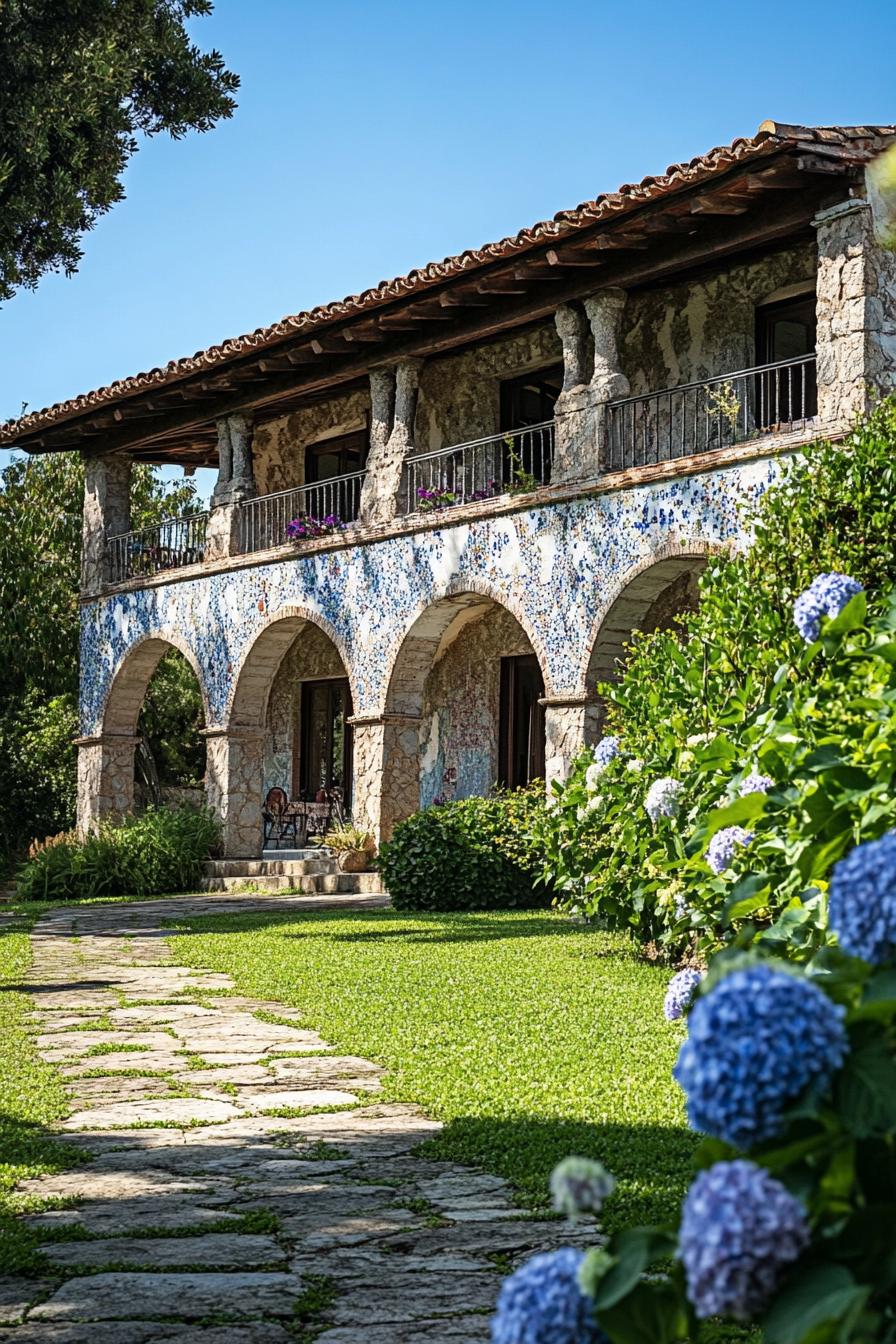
(354, 848)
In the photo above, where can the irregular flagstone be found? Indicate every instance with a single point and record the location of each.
(179, 1110)
(151, 1332)
(219, 1250)
(132, 1215)
(17, 1295)
(268, 1201)
(119, 1296)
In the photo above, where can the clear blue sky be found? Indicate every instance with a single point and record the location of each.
(374, 136)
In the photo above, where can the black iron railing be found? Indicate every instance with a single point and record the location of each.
(510, 463)
(716, 413)
(150, 550)
(292, 515)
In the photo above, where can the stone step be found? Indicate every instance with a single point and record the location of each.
(270, 867)
(313, 884)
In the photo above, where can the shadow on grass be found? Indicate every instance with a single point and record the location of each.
(652, 1163)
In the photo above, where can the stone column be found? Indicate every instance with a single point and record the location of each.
(236, 482)
(608, 382)
(107, 511)
(571, 722)
(856, 312)
(386, 771)
(379, 498)
(233, 787)
(571, 410)
(105, 778)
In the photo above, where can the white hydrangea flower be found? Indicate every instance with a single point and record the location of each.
(636, 765)
(592, 776)
(663, 798)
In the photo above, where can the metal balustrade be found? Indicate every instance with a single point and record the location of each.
(509, 463)
(171, 544)
(321, 508)
(705, 416)
(660, 427)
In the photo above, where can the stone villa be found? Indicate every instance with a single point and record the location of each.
(496, 467)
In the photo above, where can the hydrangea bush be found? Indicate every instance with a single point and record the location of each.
(761, 730)
(787, 1226)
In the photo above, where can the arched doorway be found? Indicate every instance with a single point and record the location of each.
(465, 695)
(170, 752)
(288, 726)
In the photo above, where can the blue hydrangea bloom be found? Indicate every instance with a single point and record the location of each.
(580, 1185)
(740, 1231)
(542, 1303)
(720, 851)
(754, 782)
(826, 595)
(680, 994)
(662, 799)
(758, 1040)
(606, 749)
(862, 900)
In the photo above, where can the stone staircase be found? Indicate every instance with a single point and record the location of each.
(312, 872)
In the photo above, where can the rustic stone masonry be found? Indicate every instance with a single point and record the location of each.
(107, 511)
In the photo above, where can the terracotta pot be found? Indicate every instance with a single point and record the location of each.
(353, 860)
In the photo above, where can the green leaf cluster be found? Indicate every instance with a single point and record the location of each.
(470, 854)
(161, 850)
(81, 81)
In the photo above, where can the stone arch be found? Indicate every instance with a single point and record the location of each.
(127, 689)
(439, 731)
(247, 702)
(106, 760)
(236, 750)
(646, 596)
(431, 620)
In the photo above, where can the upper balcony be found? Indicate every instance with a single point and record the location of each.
(760, 407)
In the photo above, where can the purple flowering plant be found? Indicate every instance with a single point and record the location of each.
(305, 527)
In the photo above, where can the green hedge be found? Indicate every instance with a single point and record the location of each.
(161, 850)
(474, 854)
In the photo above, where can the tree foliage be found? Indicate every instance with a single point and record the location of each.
(81, 81)
(40, 542)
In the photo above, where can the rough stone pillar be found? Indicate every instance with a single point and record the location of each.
(386, 771)
(236, 475)
(571, 722)
(105, 778)
(233, 787)
(222, 533)
(379, 499)
(856, 312)
(604, 311)
(571, 411)
(107, 511)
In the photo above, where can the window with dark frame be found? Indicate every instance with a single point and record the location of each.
(525, 401)
(785, 330)
(520, 722)
(336, 457)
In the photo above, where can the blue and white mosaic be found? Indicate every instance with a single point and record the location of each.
(557, 567)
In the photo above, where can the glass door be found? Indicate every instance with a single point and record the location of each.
(521, 722)
(325, 748)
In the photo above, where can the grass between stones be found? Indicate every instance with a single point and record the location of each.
(31, 1098)
(528, 1037)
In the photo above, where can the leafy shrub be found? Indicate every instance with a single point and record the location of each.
(472, 854)
(38, 774)
(739, 693)
(789, 1067)
(161, 850)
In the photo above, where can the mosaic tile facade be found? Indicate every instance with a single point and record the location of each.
(557, 568)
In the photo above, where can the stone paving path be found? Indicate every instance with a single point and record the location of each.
(221, 1203)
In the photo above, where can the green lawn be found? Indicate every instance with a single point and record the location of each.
(31, 1097)
(529, 1037)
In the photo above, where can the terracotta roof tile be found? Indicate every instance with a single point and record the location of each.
(862, 140)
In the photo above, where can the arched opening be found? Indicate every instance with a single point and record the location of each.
(465, 692)
(150, 728)
(169, 761)
(653, 599)
(289, 722)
